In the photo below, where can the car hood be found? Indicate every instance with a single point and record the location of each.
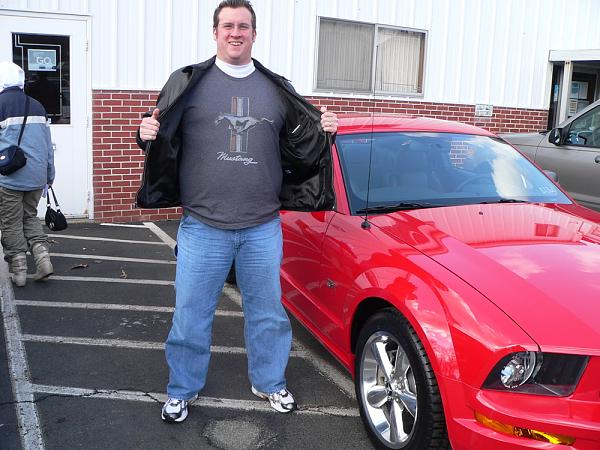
(539, 264)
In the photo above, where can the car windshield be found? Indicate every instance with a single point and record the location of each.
(423, 170)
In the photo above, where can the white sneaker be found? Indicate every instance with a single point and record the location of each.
(281, 401)
(174, 410)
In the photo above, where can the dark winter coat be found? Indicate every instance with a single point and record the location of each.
(305, 148)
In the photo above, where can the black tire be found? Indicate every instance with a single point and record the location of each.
(412, 394)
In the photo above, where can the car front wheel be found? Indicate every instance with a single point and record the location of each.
(397, 392)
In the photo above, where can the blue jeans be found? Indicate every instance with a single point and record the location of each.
(204, 257)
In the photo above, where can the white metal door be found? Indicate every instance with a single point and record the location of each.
(52, 51)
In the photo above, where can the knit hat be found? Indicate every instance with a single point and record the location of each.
(11, 75)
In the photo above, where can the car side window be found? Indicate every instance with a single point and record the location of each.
(585, 130)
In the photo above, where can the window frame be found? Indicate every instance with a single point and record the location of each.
(374, 65)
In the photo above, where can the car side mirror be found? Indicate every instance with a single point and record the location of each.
(555, 136)
(552, 175)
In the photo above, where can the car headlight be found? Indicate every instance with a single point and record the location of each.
(518, 369)
(537, 373)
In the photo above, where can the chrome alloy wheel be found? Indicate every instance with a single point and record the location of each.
(388, 389)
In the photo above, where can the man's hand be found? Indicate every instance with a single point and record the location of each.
(149, 126)
(329, 120)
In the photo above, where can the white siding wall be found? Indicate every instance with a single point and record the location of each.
(56, 6)
(478, 51)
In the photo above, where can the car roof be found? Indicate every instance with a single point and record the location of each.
(366, 123)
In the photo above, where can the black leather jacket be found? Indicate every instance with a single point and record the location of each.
(305, 148)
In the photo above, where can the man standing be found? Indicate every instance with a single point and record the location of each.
(232, 143)
(20, 191)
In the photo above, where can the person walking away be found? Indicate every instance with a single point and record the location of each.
(21, 190)
(232, 143)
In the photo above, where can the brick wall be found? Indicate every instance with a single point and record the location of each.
(504, 120)
(118, 162)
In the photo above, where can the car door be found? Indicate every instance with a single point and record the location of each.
(577, 160)
(302, 281)
(303, 234)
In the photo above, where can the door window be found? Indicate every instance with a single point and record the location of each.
(585, 130)
(45, 60)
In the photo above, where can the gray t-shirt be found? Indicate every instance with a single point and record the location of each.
(230, 168)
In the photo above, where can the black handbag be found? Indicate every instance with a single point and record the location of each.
(55, 219)
(13, 158)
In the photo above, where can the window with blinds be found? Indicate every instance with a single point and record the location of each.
(354, 55)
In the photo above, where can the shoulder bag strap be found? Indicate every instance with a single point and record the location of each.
(54, 197)
(24, 118)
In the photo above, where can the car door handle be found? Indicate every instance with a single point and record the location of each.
(597, 159)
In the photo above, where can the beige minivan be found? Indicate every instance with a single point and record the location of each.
(572, 151)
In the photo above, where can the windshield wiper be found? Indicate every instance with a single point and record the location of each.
(504, 200)
(397, 207)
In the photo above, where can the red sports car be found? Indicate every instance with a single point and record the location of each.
(458, 284)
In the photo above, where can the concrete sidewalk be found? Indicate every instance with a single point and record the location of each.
(84, 363)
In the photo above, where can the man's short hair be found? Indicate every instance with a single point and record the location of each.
(234, 4)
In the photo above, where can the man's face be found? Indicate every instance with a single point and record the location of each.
(234, 36)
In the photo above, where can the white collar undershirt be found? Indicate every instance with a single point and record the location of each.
(235, 71)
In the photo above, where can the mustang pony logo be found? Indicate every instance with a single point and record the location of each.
(239, 124)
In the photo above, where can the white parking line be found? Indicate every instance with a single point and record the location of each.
(113, 258)
(109, 280)
(92, 238)
(144, 345)
(210, 402)
(27, 415)
(114, 307)
(114, 343)
(122, 225)
(161, 234)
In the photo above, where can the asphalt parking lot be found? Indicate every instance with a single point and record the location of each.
(82, 363)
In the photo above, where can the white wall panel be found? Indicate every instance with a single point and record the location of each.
(471, 53)
(104, 43)
(279, 30)
(78, 6)
(478, 51)
(264, 24)
(515, 43)
(55, 6)
(386, 9)
(184, 43)
(435, 86)
(541, 75)
(454, 53)
(302, 46)
(156, 39)
(499, 53)
(403, 10)
(207, 46)
(529, 49)
(128, 23)
(485, 53)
